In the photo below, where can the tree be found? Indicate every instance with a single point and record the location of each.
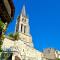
(1, 36)
(2, 28)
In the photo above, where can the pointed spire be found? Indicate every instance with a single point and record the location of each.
(23, 11)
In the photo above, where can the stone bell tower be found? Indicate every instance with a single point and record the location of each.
(22, 26)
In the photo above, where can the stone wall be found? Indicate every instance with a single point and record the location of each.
(23, 51)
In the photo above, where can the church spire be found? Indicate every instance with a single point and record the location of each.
(23, 11)
(22, 24)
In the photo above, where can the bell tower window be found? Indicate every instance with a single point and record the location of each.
(22, 19)
(21, 27)
(24, 29)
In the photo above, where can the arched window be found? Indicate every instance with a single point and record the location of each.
(21, 27)
(22, 19)
(24, 29)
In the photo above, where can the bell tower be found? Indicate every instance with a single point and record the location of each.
(22, 26)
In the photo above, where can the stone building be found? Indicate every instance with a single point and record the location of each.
(57, 52)
(22, 26)
(49, 53)
(22, 48)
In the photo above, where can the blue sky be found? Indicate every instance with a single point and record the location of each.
(44, 18)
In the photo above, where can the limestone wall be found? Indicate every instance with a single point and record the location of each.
(26, 52)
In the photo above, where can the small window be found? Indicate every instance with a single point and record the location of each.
(22, 19)
(24, 29)
(25, 20)
(21, 27)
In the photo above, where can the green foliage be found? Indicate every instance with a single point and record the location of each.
(2, 29)
(2, 37)
(10, 35)
(15, 36)
(6, 55)
(1, 45)
(1, 24)
(57, 59)
(1, 42)
(0, 50)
